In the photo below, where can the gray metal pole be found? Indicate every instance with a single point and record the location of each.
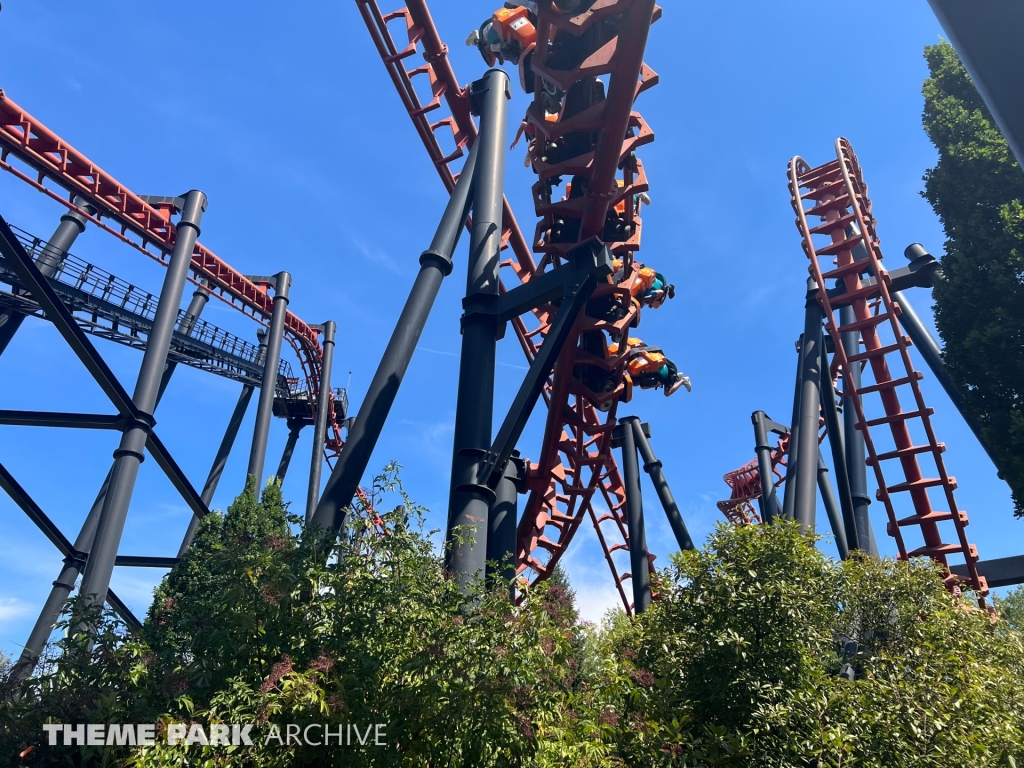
(835, 517)
(838, 446)
(639, 561)
(469, 503)
(72, 224)
(294, 428)
(806, 448)
(72, 568)
(323, 406)
(769, 501)
(130, 452)
(224, 450)
(789, 492)
(265, 407)
(435, 265)
(932, 354)
(501, 528)
(653, 467)
(856, 469)
(188, 321)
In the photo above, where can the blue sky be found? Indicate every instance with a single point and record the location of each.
(286, 119)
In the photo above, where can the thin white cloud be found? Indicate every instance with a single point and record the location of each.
(11, 608)
(376, 255)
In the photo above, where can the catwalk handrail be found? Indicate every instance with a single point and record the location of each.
(52, 158)
(86, 286)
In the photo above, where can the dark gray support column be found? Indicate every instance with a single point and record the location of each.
(639, 560)
(323, 405)
(72, 224)
(281, 282)
(224, 450)
(294, 428)
(930, 350)
(854, 440)
(769, 501)
(188, 321)
(838, 446)
(435, 265)
(835, 517)
(129, 454)
(806, 437)
(470, 502)
(653, 467)
(501, 526)
(789, 492)
(72, 568)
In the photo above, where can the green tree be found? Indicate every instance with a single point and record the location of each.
(260, 625)
(1011, 608)
(977, 190)
(739, 662)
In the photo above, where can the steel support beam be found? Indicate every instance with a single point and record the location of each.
(653, 467)
(806, 437)
(930, 350)
(769, 501)
(435, 265)
(130, 453)
(837, 444)
(72, 224)
(835, 517)
(470, 502)
(281, 283)
(639, 558)
(45, 296)
(789, 493)
(74, 562)
(501, 525)
(856, 451)
(223, 450)
(998, 572)
(294, 428)
(323, 406)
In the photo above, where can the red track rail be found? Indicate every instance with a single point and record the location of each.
(576, 459)
(53, 159)
(836, 194)
(745, 483)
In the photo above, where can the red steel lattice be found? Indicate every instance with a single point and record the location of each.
(53, 159)
(576, 459)
(835, 194)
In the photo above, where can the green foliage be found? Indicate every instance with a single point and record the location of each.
(759, 652)
(258, 625)
(737, 664)
(977, 190)
(1011, 608)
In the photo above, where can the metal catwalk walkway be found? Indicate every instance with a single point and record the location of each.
(107, 306)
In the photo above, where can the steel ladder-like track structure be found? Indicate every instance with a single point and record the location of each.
(835, 193)
(147, 228)
(576, 463)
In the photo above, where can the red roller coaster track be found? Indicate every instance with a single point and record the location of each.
(836, 194)
(50, 158)
(575, 460)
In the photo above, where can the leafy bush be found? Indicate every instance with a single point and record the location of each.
(746, 660)
(759, 652)
(258, 625)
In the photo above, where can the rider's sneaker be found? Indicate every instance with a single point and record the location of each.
(682, 381)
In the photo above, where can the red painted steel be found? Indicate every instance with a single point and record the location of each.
(53, 159)
(576, 460)
(745, 483)
(836, 194)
